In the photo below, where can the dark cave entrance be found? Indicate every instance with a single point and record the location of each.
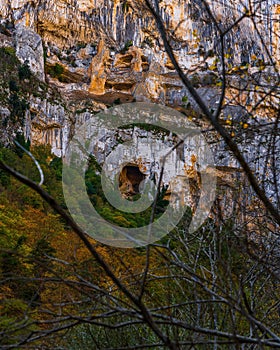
(130, 179)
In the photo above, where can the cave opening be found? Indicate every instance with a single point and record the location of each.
(130, 179)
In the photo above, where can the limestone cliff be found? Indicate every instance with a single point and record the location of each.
(97, 52)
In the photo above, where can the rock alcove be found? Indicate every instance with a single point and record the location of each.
(130, 179)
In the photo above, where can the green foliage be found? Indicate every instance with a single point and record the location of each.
(21, 140)
(209, 79)
(24, 71)
(210, 53)
(50, 164)
(56, 71)
(13, 86)
(56, 165)
(4, 178)
(80, 111)
(185, 101)
(10, 51)
(18, 107)
(14, 313)
(8, 65)
(127, 45)
(81, 45)
(17, 83)
(40, 256)
(215, 258)
(41, 250)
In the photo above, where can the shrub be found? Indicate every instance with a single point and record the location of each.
(24, 71)
(55, 71)
(18, 107)
(58, 69)
(13, 86)
(127, 45)
(81, 45)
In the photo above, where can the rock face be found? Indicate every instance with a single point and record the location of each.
(99, 52)
(29, 48)
(88, 55)
(97, 70)
(64, 23)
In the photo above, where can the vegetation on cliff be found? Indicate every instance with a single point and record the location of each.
(217, 287)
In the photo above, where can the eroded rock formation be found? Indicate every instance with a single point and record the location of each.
(96, 53)
(97, 70)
